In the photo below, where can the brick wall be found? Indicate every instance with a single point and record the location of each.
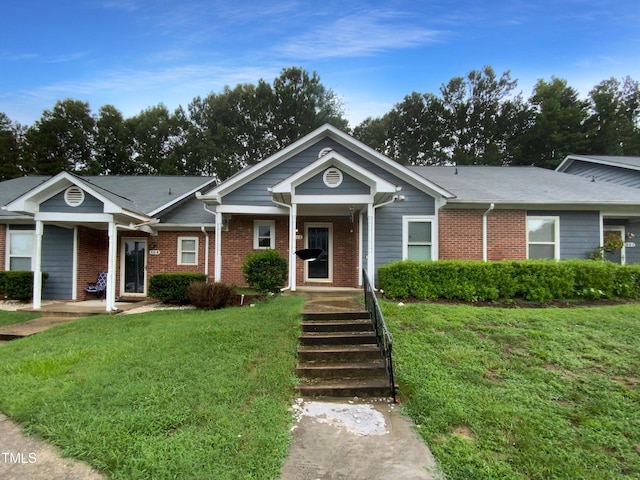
(460, 233)
(93, 251)
(238, 242)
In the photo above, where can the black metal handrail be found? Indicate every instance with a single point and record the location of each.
(385, 343)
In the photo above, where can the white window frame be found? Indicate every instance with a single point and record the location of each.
(8, 255)
(556, 234)
(181, 250)
(256, 231)
(405, 234)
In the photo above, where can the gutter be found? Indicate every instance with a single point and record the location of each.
(206, 250)
(484, 231)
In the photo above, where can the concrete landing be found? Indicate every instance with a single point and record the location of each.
(31, 327)
(355, 440)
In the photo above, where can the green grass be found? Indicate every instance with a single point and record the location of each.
(522, 393)
(169, 394)
(9, 318)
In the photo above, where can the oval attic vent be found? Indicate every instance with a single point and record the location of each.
(74, 196)
(332, 177)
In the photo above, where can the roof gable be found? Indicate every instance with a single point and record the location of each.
(326, 131)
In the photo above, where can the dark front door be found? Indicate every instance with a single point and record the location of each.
(134, 266)
(318, 237)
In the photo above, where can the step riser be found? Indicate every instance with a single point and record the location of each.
(338, 340)
(337, 327)
(325, 317)
(342, 392)
(341, 373)
(348, 357)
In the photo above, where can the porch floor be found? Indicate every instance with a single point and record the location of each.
(79, 309)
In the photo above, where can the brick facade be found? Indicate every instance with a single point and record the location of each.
(460, 234)
(238, 242)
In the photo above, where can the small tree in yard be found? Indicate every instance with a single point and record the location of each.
(265, 270)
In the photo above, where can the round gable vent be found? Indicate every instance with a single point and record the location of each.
(324, 151)
(74, 196)
(332, 177)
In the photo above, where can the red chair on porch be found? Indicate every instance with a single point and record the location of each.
(99, 287)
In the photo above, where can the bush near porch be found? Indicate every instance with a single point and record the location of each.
(531, 280)
(173, 287)
(18, 284)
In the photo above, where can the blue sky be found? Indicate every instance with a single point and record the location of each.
(135, 54)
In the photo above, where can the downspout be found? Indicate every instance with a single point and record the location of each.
(206, 251)
(292, 258)
(217, 257)
(484, 232)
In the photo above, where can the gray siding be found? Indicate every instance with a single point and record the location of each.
(579, 231)
(57, 261)
(349, 186)
(57, 204)
(605, 173)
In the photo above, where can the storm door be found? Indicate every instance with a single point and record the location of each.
(134, 267)
(319, 236)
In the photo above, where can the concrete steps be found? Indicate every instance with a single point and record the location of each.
(338, 357)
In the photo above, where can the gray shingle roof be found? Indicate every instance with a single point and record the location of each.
(140, 194)
(525, 185)
(632, 163)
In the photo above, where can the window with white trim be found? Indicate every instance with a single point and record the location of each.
(264, 234)
(187, 250)
(418, 238)
(543, 238)
(20, 250)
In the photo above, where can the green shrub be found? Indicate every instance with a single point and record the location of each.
(18, 284)
(173, 287)
(532, 280)
(265, 270)
(3, 283)
(211, 296)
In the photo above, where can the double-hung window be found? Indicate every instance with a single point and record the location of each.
(20, 249)
(187, 250)
(418, 238)
(543, 238)
(264, 234)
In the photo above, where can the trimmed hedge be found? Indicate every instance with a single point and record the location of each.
(532, 280)
(18, 284)
(173, 287)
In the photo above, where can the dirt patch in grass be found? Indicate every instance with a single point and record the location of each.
(463, 432)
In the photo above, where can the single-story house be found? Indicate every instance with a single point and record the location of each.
(326, 191)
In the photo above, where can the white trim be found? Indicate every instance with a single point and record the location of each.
(331, 199)
(256, 209)
(181, 250)
(123, 240)
(8, 256)
(74, 268)
(73, 217)
(433, 220)
(329, 226)
(556, 233)
(256, 234)
(360, 246)
(623, 233)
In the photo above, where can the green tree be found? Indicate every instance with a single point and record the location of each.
(153, 139)
(112, 144)
(612, 126)
(10, 158)
(557, 127)
(62, 139)
(478, 114)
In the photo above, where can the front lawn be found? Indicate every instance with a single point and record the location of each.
(9, 318)
(167, 394)
(522, 393)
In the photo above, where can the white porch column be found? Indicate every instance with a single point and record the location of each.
(217, 255)
(293, 214)
(371, 234)
(37, 268)
(110, 293)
